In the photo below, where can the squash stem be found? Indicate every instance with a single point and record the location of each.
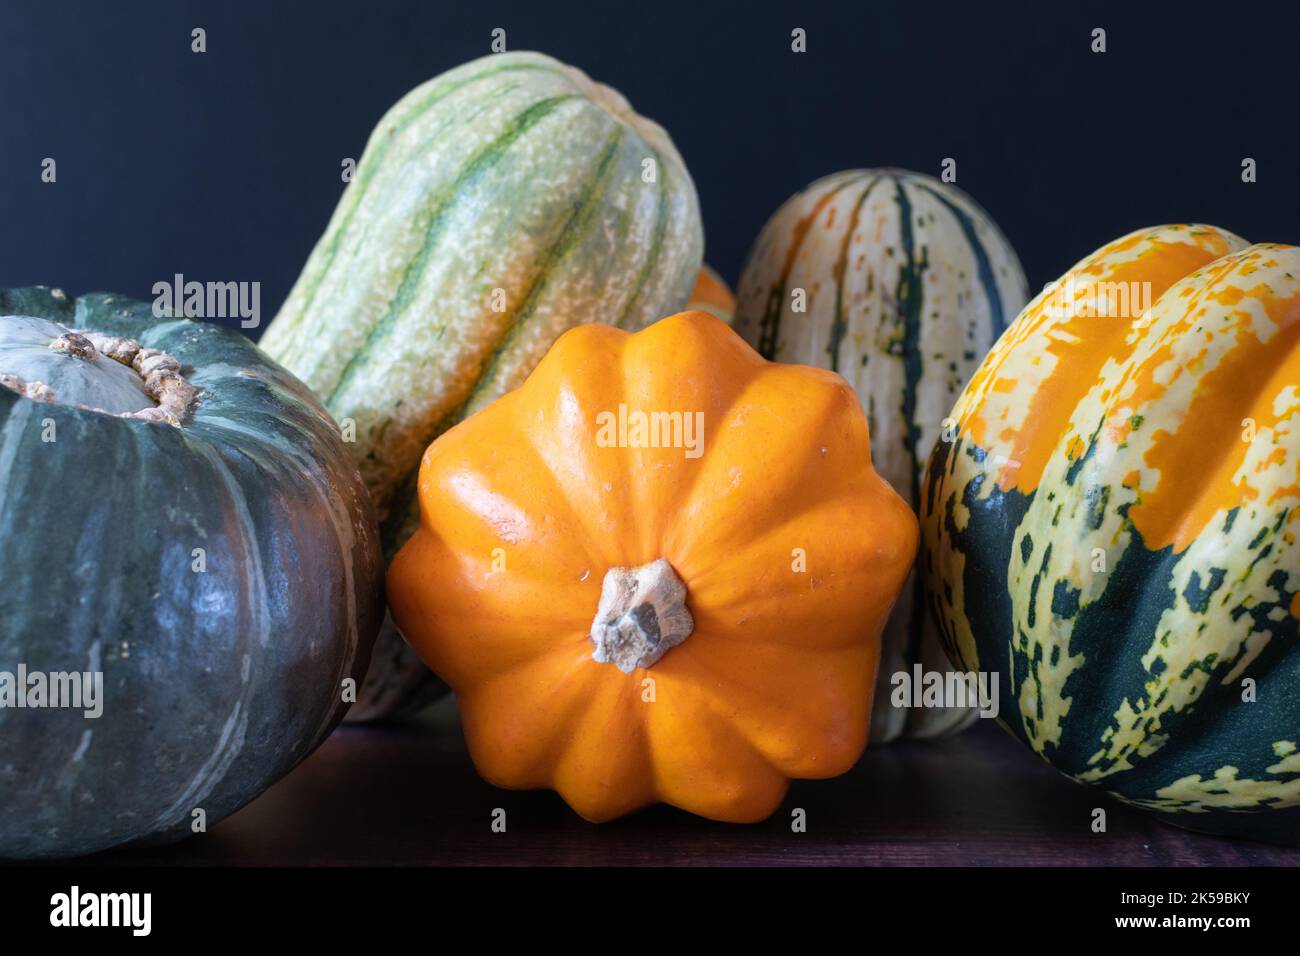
(641, 616)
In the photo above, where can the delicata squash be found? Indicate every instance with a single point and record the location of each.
(657, 572)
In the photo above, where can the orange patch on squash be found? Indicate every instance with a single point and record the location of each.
(1275, 457)
(1290, 491)
(1198, 462)
(1081, 345)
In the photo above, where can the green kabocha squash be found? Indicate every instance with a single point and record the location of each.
(495, 206)
(900, 283)
(1111, 528)
(180, 521)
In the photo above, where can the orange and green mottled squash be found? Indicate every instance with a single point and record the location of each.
(1112, 527)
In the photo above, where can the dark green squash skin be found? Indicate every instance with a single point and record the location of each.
(216, 684)
(1220, 729)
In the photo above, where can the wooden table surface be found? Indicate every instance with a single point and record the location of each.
(409, 795)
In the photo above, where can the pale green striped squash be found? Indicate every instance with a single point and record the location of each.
(494, 207)
(900, 283)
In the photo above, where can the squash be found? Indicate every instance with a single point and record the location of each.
(712, 295)
(1111, 529)
(179, 516)
(494, 207)
(900, 283)
(636, 609)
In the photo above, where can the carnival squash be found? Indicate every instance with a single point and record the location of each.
(1111, 527)
(187, 553)
(494, 207)
(900, 283)
(634, 572)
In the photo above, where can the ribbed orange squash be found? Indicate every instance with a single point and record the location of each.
(693, 623)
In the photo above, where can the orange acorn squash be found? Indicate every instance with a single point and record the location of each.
(657, 572)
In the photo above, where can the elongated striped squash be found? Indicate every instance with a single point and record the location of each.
(900, 283)
(495, 206)
(1112, 528)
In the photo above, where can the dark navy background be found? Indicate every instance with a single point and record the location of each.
(226, 165)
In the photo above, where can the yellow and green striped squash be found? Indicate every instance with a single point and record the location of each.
(494, 207)
(900, 283)
(1110, 527)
